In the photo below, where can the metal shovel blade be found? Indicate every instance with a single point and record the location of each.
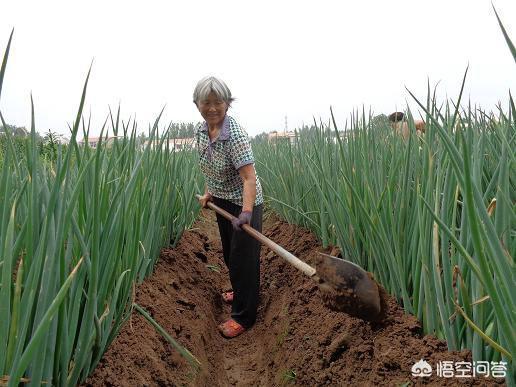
(347, 287)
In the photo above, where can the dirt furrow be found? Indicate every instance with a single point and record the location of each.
(296, 339)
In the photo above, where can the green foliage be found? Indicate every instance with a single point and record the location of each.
(78, 228)
(262, 137)
(19, 143)
(48, 146)
(181, 129)
(194, 362)
(400, 209)
(433, 217)
(288, 377)
(16, 131)
(380, 120)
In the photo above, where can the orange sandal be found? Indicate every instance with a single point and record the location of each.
(227, 297)
(231, 328)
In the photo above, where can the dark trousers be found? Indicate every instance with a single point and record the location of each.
(242, 257)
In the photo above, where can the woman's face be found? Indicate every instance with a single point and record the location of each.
(212, 109)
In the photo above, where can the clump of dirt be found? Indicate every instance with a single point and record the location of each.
(296, 339)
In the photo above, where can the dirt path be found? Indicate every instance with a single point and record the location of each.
(296, 340)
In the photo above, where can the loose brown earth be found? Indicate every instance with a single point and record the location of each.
(296, 340)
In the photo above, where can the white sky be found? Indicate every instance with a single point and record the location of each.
(293, 58)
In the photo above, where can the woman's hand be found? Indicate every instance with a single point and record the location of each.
(243, 218)
(204, 199)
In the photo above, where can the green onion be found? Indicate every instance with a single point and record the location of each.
(111, 208)
(415, 212)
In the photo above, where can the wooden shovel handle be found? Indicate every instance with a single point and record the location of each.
(290, 258)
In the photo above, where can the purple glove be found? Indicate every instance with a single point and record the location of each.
(243, 218)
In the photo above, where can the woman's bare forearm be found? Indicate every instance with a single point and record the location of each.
(249, 195)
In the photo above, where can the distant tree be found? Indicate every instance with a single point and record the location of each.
(141, 138)
(19, 139)
(18, 131)
(380, 120)
(261, 137)
(182, 129)
(19, 144)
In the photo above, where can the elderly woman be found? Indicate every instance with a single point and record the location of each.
(227, 163)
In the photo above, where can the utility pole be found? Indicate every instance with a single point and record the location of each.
(286, 125)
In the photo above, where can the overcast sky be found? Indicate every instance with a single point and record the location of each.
(280, 58)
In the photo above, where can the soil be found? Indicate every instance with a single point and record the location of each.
(297, 340)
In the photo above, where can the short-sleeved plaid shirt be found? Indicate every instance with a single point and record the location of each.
(220, 160)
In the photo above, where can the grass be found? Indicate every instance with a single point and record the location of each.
(288, 376)
(280, 339)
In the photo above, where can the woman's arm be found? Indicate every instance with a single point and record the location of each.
(248, 176)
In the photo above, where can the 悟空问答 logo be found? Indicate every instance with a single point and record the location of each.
(421, 369)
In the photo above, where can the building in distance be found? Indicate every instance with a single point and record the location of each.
(173, 144)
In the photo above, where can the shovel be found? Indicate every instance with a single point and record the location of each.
(345, 286)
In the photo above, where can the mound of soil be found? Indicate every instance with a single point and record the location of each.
(296, 340)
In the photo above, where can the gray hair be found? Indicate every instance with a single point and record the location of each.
(212, 84)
